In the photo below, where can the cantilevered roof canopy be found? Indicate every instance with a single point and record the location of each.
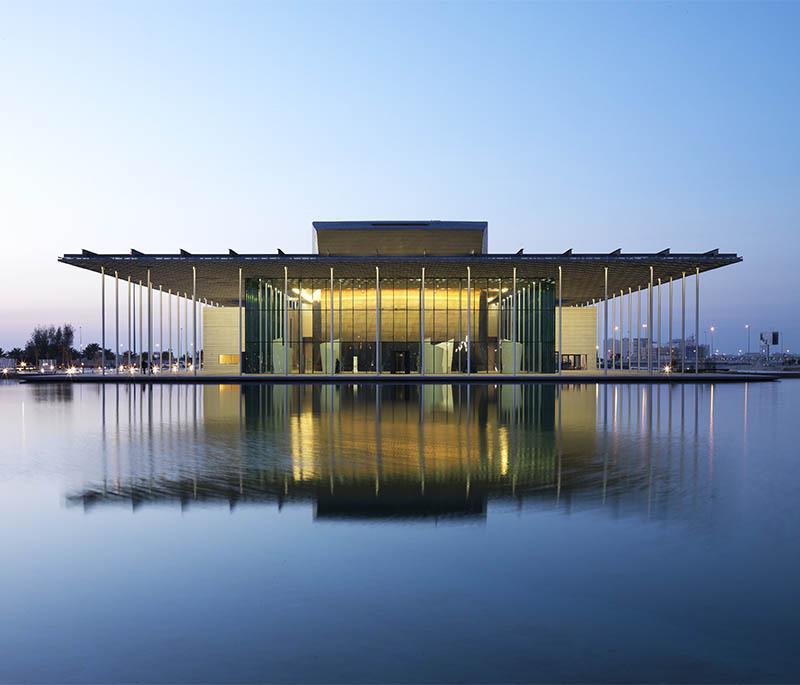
(218, 274)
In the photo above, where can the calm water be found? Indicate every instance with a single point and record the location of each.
(611, 533)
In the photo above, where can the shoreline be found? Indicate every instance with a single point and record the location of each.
(403, 379)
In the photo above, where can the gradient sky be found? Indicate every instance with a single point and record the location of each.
(209, 126)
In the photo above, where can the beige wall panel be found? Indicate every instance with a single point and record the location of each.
(579, 330)
(220, 336)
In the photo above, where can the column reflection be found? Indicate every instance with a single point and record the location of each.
(405, 451)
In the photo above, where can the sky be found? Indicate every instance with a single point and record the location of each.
(208, 126)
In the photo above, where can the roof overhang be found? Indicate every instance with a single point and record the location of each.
(217, 275)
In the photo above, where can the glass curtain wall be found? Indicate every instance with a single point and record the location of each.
(480, 325)
(263, 325)
(536, 325)
(527, 326)
(354, 324)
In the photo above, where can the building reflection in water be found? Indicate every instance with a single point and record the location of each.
(408, 451)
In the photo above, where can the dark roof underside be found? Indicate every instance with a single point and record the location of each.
(218, 274)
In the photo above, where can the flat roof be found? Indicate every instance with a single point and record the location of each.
(400, 225)
(582, 274)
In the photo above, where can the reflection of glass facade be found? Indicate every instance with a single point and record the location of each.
(399, 325)
(408, 448)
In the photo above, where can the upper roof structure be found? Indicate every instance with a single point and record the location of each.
(400, 238)
(401, 249)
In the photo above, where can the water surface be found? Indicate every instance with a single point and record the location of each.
(399, 533)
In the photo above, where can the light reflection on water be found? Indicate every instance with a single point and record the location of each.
(218, 533)
(405, 451)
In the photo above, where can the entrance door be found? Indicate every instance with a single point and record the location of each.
(399, 361)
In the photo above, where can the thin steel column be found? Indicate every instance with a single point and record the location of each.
(116, 322)
(261, 336)
(160, 326)
(650, 323)
(202, 332)
(605, 320)
(195, 352)
(697, 320)
(658, 314)
(239, 351)
(537, 303)
(301, 352)
(560, 319)
(286, 319)
(596, 333)
(524, 333)
(141, 327)
(133, 325)
(514, 318)
(201, 313)
(377, 321)
(130, 325)
(670, 322)
(332, 369)
(498, 363)
(469, 320)
(186, 330)
(103, 320)
(169, 327)
(613, 333)
(178, 327)
(630, 326)
(621, 293)
(149, 324)
(638, 328)
(683, 322)
(422, 324)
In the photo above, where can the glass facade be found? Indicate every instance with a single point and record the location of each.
(399, 325)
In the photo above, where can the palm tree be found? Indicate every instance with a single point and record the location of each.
(16, 353)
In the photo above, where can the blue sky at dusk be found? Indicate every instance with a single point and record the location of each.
(209, 126)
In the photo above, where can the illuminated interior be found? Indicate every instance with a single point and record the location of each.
(482, 325)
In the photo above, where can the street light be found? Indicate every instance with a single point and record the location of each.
(747, 326)
(712, 329)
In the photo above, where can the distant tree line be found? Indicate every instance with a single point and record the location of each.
(56, 343)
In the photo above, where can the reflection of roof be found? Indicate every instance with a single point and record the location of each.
(452, 495)
(396, 499)
(218, 274)
(627, 487)
(400, 501)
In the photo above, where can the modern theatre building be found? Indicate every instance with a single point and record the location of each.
(407, 297)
